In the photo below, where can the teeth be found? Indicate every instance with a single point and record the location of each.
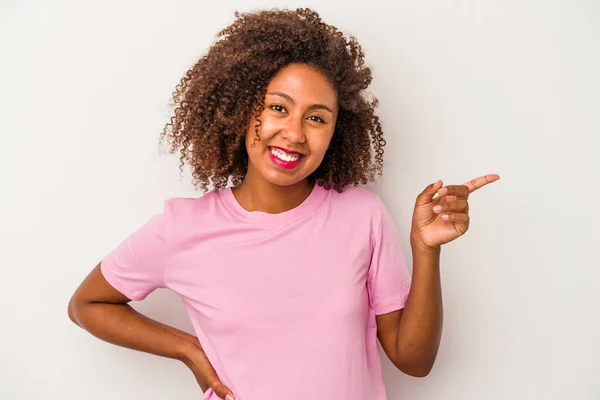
(283, 156)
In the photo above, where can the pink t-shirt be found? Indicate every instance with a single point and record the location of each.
(283, 304)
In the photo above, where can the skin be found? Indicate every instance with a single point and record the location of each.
(300, 113)
(411, 337)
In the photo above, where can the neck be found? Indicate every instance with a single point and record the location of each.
(260, 195)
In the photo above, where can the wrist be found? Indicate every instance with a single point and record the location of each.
(419, 247)
(186, 351)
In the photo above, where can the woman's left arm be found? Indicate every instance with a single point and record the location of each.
(411, 337)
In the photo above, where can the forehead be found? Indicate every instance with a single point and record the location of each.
(305, 84)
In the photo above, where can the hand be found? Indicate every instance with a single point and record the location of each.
(439, 220)
(205, 374)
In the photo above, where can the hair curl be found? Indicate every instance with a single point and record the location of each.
(219, 95)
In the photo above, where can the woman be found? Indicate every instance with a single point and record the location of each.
(290, 275)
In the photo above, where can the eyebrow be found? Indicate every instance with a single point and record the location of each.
(288, 97)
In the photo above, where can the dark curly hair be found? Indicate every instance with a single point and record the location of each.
(224, 91)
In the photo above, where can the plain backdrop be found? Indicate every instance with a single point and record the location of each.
(465, 88)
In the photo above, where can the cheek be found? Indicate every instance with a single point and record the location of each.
(267, 127)
(319, 143)
(251, 139)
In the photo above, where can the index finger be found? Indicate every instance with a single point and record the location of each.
(480, 182)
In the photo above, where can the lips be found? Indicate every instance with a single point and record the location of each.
(286, 151)
(284, 159)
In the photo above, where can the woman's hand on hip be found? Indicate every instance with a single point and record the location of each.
(205, 374)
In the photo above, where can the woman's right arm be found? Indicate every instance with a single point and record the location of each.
(103, 311)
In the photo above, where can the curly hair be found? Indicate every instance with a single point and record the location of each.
(218, 98)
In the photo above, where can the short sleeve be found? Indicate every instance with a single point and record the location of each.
(389, 278)
(136, 267)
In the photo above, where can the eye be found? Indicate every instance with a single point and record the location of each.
(277, 108)
(318, 119)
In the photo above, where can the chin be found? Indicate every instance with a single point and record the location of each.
(280, 180)
(281, 177)
(276, 176)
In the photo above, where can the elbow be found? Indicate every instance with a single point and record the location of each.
(416, 367)
(420, 372)
(416, 361)
(71, 310)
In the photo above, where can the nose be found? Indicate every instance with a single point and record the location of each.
(294, 130)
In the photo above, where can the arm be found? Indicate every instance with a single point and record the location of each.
(103, 311)
(411, 337)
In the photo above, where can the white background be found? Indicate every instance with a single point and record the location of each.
(466, 88)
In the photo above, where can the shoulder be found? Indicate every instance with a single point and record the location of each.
(359, 205)
(359, 198)
(185, 209)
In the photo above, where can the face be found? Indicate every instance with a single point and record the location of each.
(297, 126)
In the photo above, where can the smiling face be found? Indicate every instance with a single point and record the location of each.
(297, 125)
